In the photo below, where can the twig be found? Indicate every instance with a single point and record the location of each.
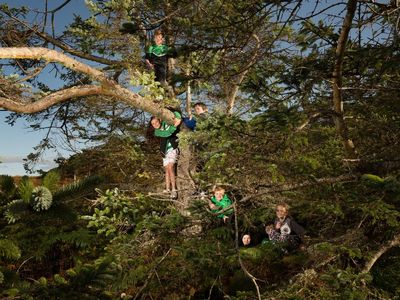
(24, 262)
(247, 273)
(151, 273)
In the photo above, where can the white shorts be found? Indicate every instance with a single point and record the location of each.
(170, 157)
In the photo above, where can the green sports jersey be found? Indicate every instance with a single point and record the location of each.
(225, 202)
(158, 50)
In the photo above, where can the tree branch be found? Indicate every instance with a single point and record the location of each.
(49, 100)
(337, 97)
(108, 87)
(395, 242)
(65, 47)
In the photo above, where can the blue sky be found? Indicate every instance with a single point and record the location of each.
(18, 141)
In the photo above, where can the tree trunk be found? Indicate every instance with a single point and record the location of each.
(337, 96)
(185, 183)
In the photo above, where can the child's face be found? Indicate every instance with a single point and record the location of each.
(156, 123)
(281, 211)
(219, 194)
(158, 39)
(198, 110)
(246, 239)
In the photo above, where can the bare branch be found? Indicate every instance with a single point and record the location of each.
(108, 87)
(337, 97)
(50, 100)
(395, 242)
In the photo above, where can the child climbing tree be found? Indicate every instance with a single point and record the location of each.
(157, 57)
(169, 148)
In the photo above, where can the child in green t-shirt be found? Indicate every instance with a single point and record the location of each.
(169, 148)
(219, 202)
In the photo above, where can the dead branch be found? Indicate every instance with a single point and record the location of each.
(248, 274)
(151, 273)
(395, 242)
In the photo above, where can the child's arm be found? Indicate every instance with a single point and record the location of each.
(148, 58)
(170, 129)
(167, 132)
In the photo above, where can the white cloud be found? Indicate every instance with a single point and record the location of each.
(20, 159)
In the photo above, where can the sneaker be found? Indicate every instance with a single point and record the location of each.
(174, 194)
(166, 191)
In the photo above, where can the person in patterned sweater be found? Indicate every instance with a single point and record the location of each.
(285, 229)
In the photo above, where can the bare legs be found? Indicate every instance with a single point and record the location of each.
(170, 183)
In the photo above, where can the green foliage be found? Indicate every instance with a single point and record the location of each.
(51, 180)
(114, 212)
(9, 250)
(25, 189)
(15, 210)
(7, 188)
(372, 180)
(77, 188)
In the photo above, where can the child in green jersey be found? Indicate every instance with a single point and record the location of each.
(157, 57)
(169, 148)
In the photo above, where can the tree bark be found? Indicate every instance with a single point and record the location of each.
(107, 86)
(337, 96)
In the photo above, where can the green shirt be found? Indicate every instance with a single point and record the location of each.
(166, 131)
(225, 202)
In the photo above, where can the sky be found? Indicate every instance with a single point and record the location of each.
(18, 141)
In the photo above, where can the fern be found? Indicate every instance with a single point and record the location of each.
(41, 198)
(51, 180)
(81, 238)
(9, 250)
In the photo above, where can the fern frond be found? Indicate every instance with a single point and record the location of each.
(9, 250)
(51, 180)
(71, 190)
(81, 238)
(96, 275)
